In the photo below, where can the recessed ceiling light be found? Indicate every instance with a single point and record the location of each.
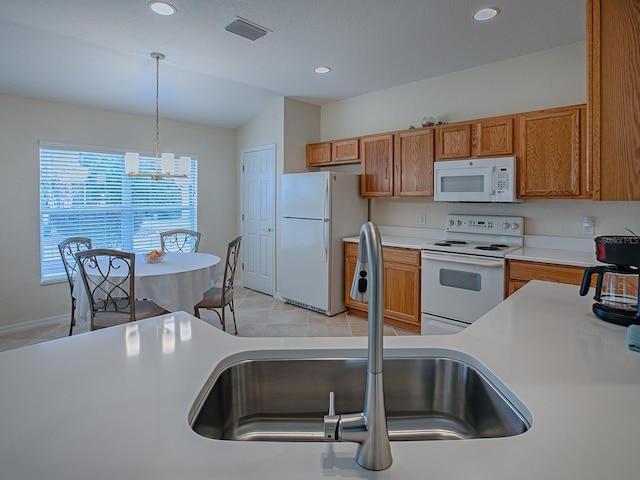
(162, 8)
(486, 14)
(322, 70)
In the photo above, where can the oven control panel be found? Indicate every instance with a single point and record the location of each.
(488, 224)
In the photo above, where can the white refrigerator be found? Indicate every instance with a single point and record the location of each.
(317, 210)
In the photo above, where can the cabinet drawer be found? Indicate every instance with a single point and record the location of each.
(520, 270)
(351, 249)
(401, 255)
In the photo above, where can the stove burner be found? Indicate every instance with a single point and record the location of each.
(488, 247)
(450, 243)
(499, 245)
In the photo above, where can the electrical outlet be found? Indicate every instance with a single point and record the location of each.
(422, 218)
(587, 225)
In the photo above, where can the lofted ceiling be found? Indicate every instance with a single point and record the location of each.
(96, 53)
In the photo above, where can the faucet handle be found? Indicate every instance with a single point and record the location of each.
(332, 408)
(331, 421)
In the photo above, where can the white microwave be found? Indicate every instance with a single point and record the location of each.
(475, 180)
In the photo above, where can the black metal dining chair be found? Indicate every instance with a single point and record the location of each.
(68, 249)
(109, 280)
(177, 241)
(219, 297)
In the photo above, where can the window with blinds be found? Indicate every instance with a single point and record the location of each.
(85, 192)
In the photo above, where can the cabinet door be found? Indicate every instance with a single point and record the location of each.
(454, 141)
(345, 151)
(550, 160)
(413, 173)
(613, 62)
(350, 262)
(318, 154)
(402, 292)
(377, 166)
(494, 137)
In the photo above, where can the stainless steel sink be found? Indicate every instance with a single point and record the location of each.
(426, 398)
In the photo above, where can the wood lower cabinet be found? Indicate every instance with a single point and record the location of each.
(401, 286)
(520, 272)
(552, 160)
(613, 93)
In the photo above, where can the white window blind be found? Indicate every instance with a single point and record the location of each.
(85, 192)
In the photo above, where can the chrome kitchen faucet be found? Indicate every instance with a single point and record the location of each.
(368, 428)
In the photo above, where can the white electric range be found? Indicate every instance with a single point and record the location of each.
(463, 275)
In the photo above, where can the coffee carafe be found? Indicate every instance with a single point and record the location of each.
(617, 283)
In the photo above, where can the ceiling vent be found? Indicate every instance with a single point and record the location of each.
(246, 29)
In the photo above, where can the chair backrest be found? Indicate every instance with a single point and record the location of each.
(68, 249)
(233, 252)
(108, 277)
(180, 241)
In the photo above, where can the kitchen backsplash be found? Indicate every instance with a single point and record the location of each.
(555, 218)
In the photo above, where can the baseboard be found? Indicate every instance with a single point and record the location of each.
(42, 322)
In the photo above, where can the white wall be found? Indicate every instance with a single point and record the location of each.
(551, 78)
(24, 121)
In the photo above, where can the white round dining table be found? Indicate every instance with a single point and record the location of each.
(177, 283)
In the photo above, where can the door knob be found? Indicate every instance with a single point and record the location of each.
(268, 229)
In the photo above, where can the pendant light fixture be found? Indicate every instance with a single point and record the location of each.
(165, 163)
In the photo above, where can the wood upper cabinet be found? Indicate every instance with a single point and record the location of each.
(488, 137)
(331, 153)
(413, 165)
(493, 136)
(552, 157)
(318, 154)
(454, 141)
(377, 166)
(345, 151)
(401, 285)
(613, 92)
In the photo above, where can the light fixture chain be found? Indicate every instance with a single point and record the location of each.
(157, 110)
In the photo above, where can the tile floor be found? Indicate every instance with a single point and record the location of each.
(257, 315)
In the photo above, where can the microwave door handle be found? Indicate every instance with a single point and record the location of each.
(464, 260)
(494, 177)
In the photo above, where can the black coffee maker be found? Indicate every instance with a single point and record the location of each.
(617, 283)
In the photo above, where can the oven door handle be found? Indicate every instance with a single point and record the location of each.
(464, 259)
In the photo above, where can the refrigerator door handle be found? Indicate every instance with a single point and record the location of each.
(326, 199)
(326, 239)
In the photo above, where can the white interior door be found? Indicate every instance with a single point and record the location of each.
(258, 218)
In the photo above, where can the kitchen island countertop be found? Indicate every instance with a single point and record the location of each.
(115, 403)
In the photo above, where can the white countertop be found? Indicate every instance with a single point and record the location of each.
(80, 407)
(397, 241)
(578, 252)
(549, 255)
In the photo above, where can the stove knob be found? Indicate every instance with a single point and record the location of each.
(451, 222)
(515, 226)
(458, 223)
(506, 225)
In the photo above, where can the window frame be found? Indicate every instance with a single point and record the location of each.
(80, 182)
